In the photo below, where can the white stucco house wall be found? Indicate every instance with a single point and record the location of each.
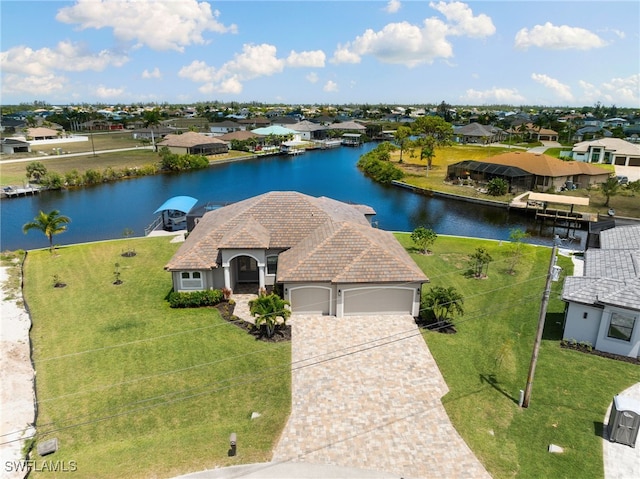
(322, 254)
(603, 306)
(613, 151)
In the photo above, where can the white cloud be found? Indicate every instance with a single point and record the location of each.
(66, 56)
(155, 73)
(411, 45)
(312, 77)
(314, 59)
(563, 37)
(198, 72)
(494, 95)
(255, 61)
(330, 86)
(562, 91)
(619, 91)
(158, 24)
(33, 84)
(108, 93)
(392, 6)
(462, 21)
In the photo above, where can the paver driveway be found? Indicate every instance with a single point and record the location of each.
(366, 394)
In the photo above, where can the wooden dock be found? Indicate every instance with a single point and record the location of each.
(11, 191)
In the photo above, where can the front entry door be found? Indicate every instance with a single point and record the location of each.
(247, 269)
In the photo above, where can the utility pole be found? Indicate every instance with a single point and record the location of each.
(541, 318)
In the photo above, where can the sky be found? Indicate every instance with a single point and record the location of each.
(548, 53)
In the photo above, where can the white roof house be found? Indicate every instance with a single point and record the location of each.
(613, 151)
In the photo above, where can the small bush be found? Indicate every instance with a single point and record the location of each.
(195, 299)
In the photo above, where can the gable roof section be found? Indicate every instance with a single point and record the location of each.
(624, 297)
(621, 237)
(348, 253)
(545, 165)
(287, 216)
(250, 234)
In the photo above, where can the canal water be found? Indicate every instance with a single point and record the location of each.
(105, 211)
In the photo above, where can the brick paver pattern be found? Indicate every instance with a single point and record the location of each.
(366, 393)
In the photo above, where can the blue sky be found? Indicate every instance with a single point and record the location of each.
(572, 53)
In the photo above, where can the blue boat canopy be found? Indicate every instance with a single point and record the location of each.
(178, 203)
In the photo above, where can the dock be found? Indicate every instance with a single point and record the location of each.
(12, 191)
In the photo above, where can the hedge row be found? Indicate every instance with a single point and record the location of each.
(195, 299)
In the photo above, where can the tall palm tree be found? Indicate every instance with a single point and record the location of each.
(50, 224)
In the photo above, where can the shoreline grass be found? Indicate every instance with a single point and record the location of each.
(485, 365)
(131, 387)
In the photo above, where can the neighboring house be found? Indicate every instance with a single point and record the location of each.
(323, 254)
(13, 145)
(614, 151)
(591, 132)
(224, 127)
(193, 143)
(155, 133)
(477, 133)
(603, 306)
(535, 133)
(309, 130)
(255, 122)
(43, 134)
(529, 171)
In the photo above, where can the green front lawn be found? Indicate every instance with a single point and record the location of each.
(485, 366)
(132, 388)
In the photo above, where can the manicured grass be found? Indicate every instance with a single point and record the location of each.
(132, 388)
(486, 363)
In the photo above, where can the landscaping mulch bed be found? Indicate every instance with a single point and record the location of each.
(588, 350)
(282, 333)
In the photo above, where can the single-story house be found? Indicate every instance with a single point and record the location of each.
(43, 134)
(193, 143)
(603, 306)
(309, 130)
(156, 133)
(322, 254)
(348, 126)
(478, 133)
(224, 127)
(14, 145)
(529, 171)
(613, 151)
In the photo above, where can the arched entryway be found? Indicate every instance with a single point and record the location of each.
(244, 272)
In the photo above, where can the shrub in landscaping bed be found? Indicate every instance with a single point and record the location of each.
(195, 299)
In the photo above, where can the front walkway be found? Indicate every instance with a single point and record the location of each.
(366, 393)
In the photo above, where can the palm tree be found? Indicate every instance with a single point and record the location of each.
(50, 224)
(267, 309)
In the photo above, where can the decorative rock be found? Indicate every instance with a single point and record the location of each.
(555, 449)
(255, 415)
(48, 447)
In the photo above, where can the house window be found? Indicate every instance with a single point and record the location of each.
(621, 327)
(191, 280)
(272, 264)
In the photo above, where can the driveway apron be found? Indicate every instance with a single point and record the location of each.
(366, 393)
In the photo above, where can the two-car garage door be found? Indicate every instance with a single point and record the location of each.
(378, 301)
(358, 301)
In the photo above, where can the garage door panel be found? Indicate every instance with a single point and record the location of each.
(310, 300)
(378, 300)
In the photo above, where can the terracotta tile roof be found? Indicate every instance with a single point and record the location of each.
(545, 165)
(189, 140)
(324, 239)
(348, 253)
(289, 217)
